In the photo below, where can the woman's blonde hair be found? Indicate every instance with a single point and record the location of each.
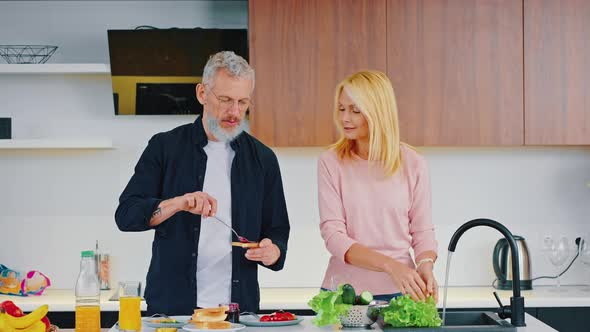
(373, 95)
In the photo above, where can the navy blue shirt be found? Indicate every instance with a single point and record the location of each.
(173, 164)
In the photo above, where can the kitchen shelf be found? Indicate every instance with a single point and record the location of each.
(25, 144)
(56, 68)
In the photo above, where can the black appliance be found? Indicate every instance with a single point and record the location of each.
(5, 128)
(155, 71)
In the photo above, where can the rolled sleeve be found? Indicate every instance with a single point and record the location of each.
(421, 227)
(332, 215)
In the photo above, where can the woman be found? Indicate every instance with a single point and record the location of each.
(374, 197)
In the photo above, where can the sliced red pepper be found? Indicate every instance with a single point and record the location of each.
(278, 316)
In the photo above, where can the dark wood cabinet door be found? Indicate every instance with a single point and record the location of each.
(457, 70)
(557, 72)
(571, 319)
(300, 50)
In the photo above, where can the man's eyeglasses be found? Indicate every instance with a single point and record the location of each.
(227, 102)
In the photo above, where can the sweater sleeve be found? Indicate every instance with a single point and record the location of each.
(332, 214)
(421, 227)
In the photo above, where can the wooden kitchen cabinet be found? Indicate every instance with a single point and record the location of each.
(457, 70)
(300, 50)
(465, 73)
(557, 72)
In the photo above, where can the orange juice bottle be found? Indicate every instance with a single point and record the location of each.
(87, 295)
(130, 313)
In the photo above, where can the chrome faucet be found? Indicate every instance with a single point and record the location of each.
(516, 309)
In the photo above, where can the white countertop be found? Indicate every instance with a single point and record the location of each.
(297, 298)
(533, 325)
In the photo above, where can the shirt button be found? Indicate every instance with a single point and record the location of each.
(196, 229)
(194, 254)
(235, 281)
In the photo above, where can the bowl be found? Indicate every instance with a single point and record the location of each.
(26, 54)
(374, 309)
(362, 316)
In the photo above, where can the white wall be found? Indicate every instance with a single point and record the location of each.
(79, 27)
(55, 203)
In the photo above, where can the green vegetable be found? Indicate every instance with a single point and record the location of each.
(365, 298)
(328, 307)
(348, 294)
(404, 312)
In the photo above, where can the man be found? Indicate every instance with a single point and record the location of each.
(211, 167)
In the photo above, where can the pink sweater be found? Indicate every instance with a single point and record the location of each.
(358, 204)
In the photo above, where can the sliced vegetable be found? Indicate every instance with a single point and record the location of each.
(278, 316)
(365, 298)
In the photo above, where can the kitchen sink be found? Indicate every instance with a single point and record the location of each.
(462, 321)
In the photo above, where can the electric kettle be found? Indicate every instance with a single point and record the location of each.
(502, 263)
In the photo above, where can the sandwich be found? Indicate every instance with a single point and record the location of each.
(209, 314)
(246, 245)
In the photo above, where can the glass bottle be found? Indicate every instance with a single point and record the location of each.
(87, 295)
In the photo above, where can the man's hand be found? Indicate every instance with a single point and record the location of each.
(197, 203)
(268, 253)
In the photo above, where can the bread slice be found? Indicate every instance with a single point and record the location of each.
(223, 325)
(209, 315)
(246, 244)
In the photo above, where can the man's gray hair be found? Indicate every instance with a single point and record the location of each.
(234, 64)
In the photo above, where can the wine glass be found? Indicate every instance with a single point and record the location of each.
(558, 251)
(585, 258)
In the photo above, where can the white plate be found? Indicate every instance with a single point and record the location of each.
(234, 327)
(182, 321)
(252, 321)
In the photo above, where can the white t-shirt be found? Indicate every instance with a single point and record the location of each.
(214, 262)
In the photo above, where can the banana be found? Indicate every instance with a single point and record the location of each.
(3, 325)
(38, 326)
(27, 320)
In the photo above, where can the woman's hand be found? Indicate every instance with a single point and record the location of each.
(408, 280)
(427, 275)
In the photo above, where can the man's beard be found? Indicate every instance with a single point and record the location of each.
(226, 135)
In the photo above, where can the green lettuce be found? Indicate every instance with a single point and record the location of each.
(328, 307)
(405, 312)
